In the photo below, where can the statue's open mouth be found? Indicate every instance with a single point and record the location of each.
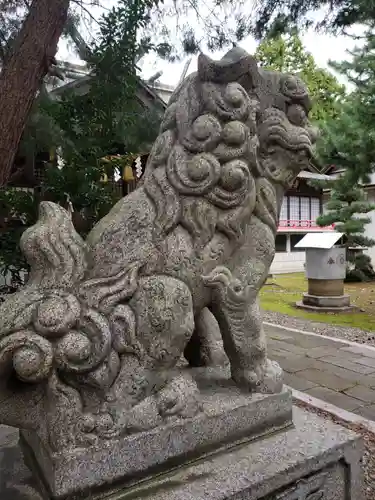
(303, 144)
(300, 156)
(276, 133)
(303, 148)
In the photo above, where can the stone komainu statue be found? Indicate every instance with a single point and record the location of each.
(89, 347)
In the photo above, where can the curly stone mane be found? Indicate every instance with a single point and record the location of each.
(206, 171)
(202, 166)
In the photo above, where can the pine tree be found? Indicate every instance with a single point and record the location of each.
(346, 209)
(349, 142)
(273, 17)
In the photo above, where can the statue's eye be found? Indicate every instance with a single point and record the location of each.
(293, 87)
(297, 115)
(291, 84)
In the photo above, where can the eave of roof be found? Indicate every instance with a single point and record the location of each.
(86, 79)
(305, 174)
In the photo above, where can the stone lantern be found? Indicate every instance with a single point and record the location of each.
(325, 272)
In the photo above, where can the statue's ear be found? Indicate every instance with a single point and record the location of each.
(236, 66)
(57, 255)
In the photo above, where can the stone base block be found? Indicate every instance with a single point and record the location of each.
(350, 309)
(326, 301)
(319, 303)
(229, 416)
(313, 460)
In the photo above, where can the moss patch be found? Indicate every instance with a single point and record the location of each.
(282, 291)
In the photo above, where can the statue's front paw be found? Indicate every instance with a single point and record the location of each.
(271, 381)
(179, 398)
(246, 379)
(267, 378)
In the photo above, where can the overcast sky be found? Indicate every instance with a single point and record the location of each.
(322, 47)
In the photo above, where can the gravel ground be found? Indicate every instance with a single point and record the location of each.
(341, 332)
(368, 464)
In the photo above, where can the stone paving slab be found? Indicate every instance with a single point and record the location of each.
(359, 349)
(365, 361)
(325, 379)
(298, 383)
(318, 352)
(294, 364)
(335, 371)
(362, 393)
(366, 411)
(366, 380)
(336, 398)
(349, 365)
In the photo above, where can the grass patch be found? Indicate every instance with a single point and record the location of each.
(284, 290)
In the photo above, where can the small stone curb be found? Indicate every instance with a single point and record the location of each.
(346, 416)
(334, 339)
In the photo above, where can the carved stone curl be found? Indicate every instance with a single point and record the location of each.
(96, 335)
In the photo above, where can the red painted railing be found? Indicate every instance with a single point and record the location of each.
(302, 225)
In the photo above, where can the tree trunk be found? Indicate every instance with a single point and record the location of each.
(23, 73)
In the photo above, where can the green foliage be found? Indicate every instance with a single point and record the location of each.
(175, 28)
(185, 27)
(349, 142)
(41, 131)
(109, 110)
(277, 16)
(286, 53)
(80, 185)
(10, 22)
(18, 211)
(77, 183)
(87, 128)
(345, 209)
(348, 204)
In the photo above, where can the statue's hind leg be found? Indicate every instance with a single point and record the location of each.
(205, 348)
(163, 309)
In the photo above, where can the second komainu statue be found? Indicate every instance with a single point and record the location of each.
(91, 346)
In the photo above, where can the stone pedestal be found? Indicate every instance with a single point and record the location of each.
(315, 460)
(228, 417)
(325, 303)
(312, 460)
